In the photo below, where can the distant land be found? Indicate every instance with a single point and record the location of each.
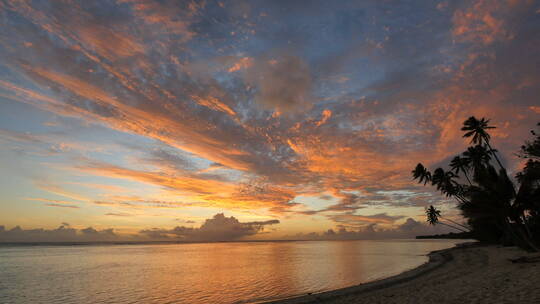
(451, 235)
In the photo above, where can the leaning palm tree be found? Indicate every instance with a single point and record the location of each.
(477, 129)
(433, 215)
(478, 159)
(438, 179)
(422, 174)
(459, 164)
(446, 183)
(490, 203)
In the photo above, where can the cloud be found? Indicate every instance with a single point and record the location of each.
(62, 206)
(481, 22)
(118, 214)
(381, 218)
(409, 229)
(242, 63)
(218, 228)
(199, 189)
(58, 190)
(283, 83)
(54, 203)
(63, 233)
(205, 91)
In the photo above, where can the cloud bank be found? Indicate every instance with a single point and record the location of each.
(63, 233)
(216, 229)
(408, 230)
(219, 228)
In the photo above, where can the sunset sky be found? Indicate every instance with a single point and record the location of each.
(292, 117)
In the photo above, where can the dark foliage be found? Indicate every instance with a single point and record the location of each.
(495, 211)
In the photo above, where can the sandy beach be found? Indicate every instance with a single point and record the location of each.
(465, 274)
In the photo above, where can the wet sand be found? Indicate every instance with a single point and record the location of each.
(468, 273)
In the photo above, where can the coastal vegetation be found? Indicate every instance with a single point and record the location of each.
(497, 208)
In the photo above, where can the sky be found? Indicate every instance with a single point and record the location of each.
(221, 120)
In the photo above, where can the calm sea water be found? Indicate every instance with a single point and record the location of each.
(199, 273)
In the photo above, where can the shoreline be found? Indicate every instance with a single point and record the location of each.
(466, 273)
(436, 259)
(171, 242)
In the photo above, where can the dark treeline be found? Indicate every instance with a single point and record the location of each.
(498, 209)
(451, 235)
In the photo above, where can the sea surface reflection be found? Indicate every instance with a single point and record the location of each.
(200, 273)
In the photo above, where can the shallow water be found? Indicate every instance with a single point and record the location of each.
(200, 273)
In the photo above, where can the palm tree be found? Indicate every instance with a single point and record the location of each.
(477, 129)
(444, 180)
(531, 149)
(490, 203)
(446, 183)
(438, 178)
(527, 201)
(422, 174)
(433, 215)
(459, 164)
(478, 159)
(494, 201)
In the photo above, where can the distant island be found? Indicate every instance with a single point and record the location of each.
(451, 235)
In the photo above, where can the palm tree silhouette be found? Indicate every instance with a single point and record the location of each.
(444, 180)
(422, 174)
(433, 215)
(531, 149)
(495, 197)
(490, 203)
(477, 129)
(478, 159)
(459, 164)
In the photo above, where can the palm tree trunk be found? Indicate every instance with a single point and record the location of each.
(524, 218)
(456, 223)
(528, 241)
(461, 199)
(494, 154)
(451, 226)
(528, 232)
(467, 177)
(526, 237)
(520, 235)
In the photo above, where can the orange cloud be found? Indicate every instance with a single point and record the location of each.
(381, 218)
(326, 114)
(54, 189)
(481, 21)
(535, 109)
(243, 63)
(53, 203)
(168, 16)
(109, 44)
(200, 191)
(136, 74)
(214, 104)
(149, 123)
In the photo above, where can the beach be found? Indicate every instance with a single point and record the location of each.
(470, 273)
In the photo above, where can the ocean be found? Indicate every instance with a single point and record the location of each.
(236, 272)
